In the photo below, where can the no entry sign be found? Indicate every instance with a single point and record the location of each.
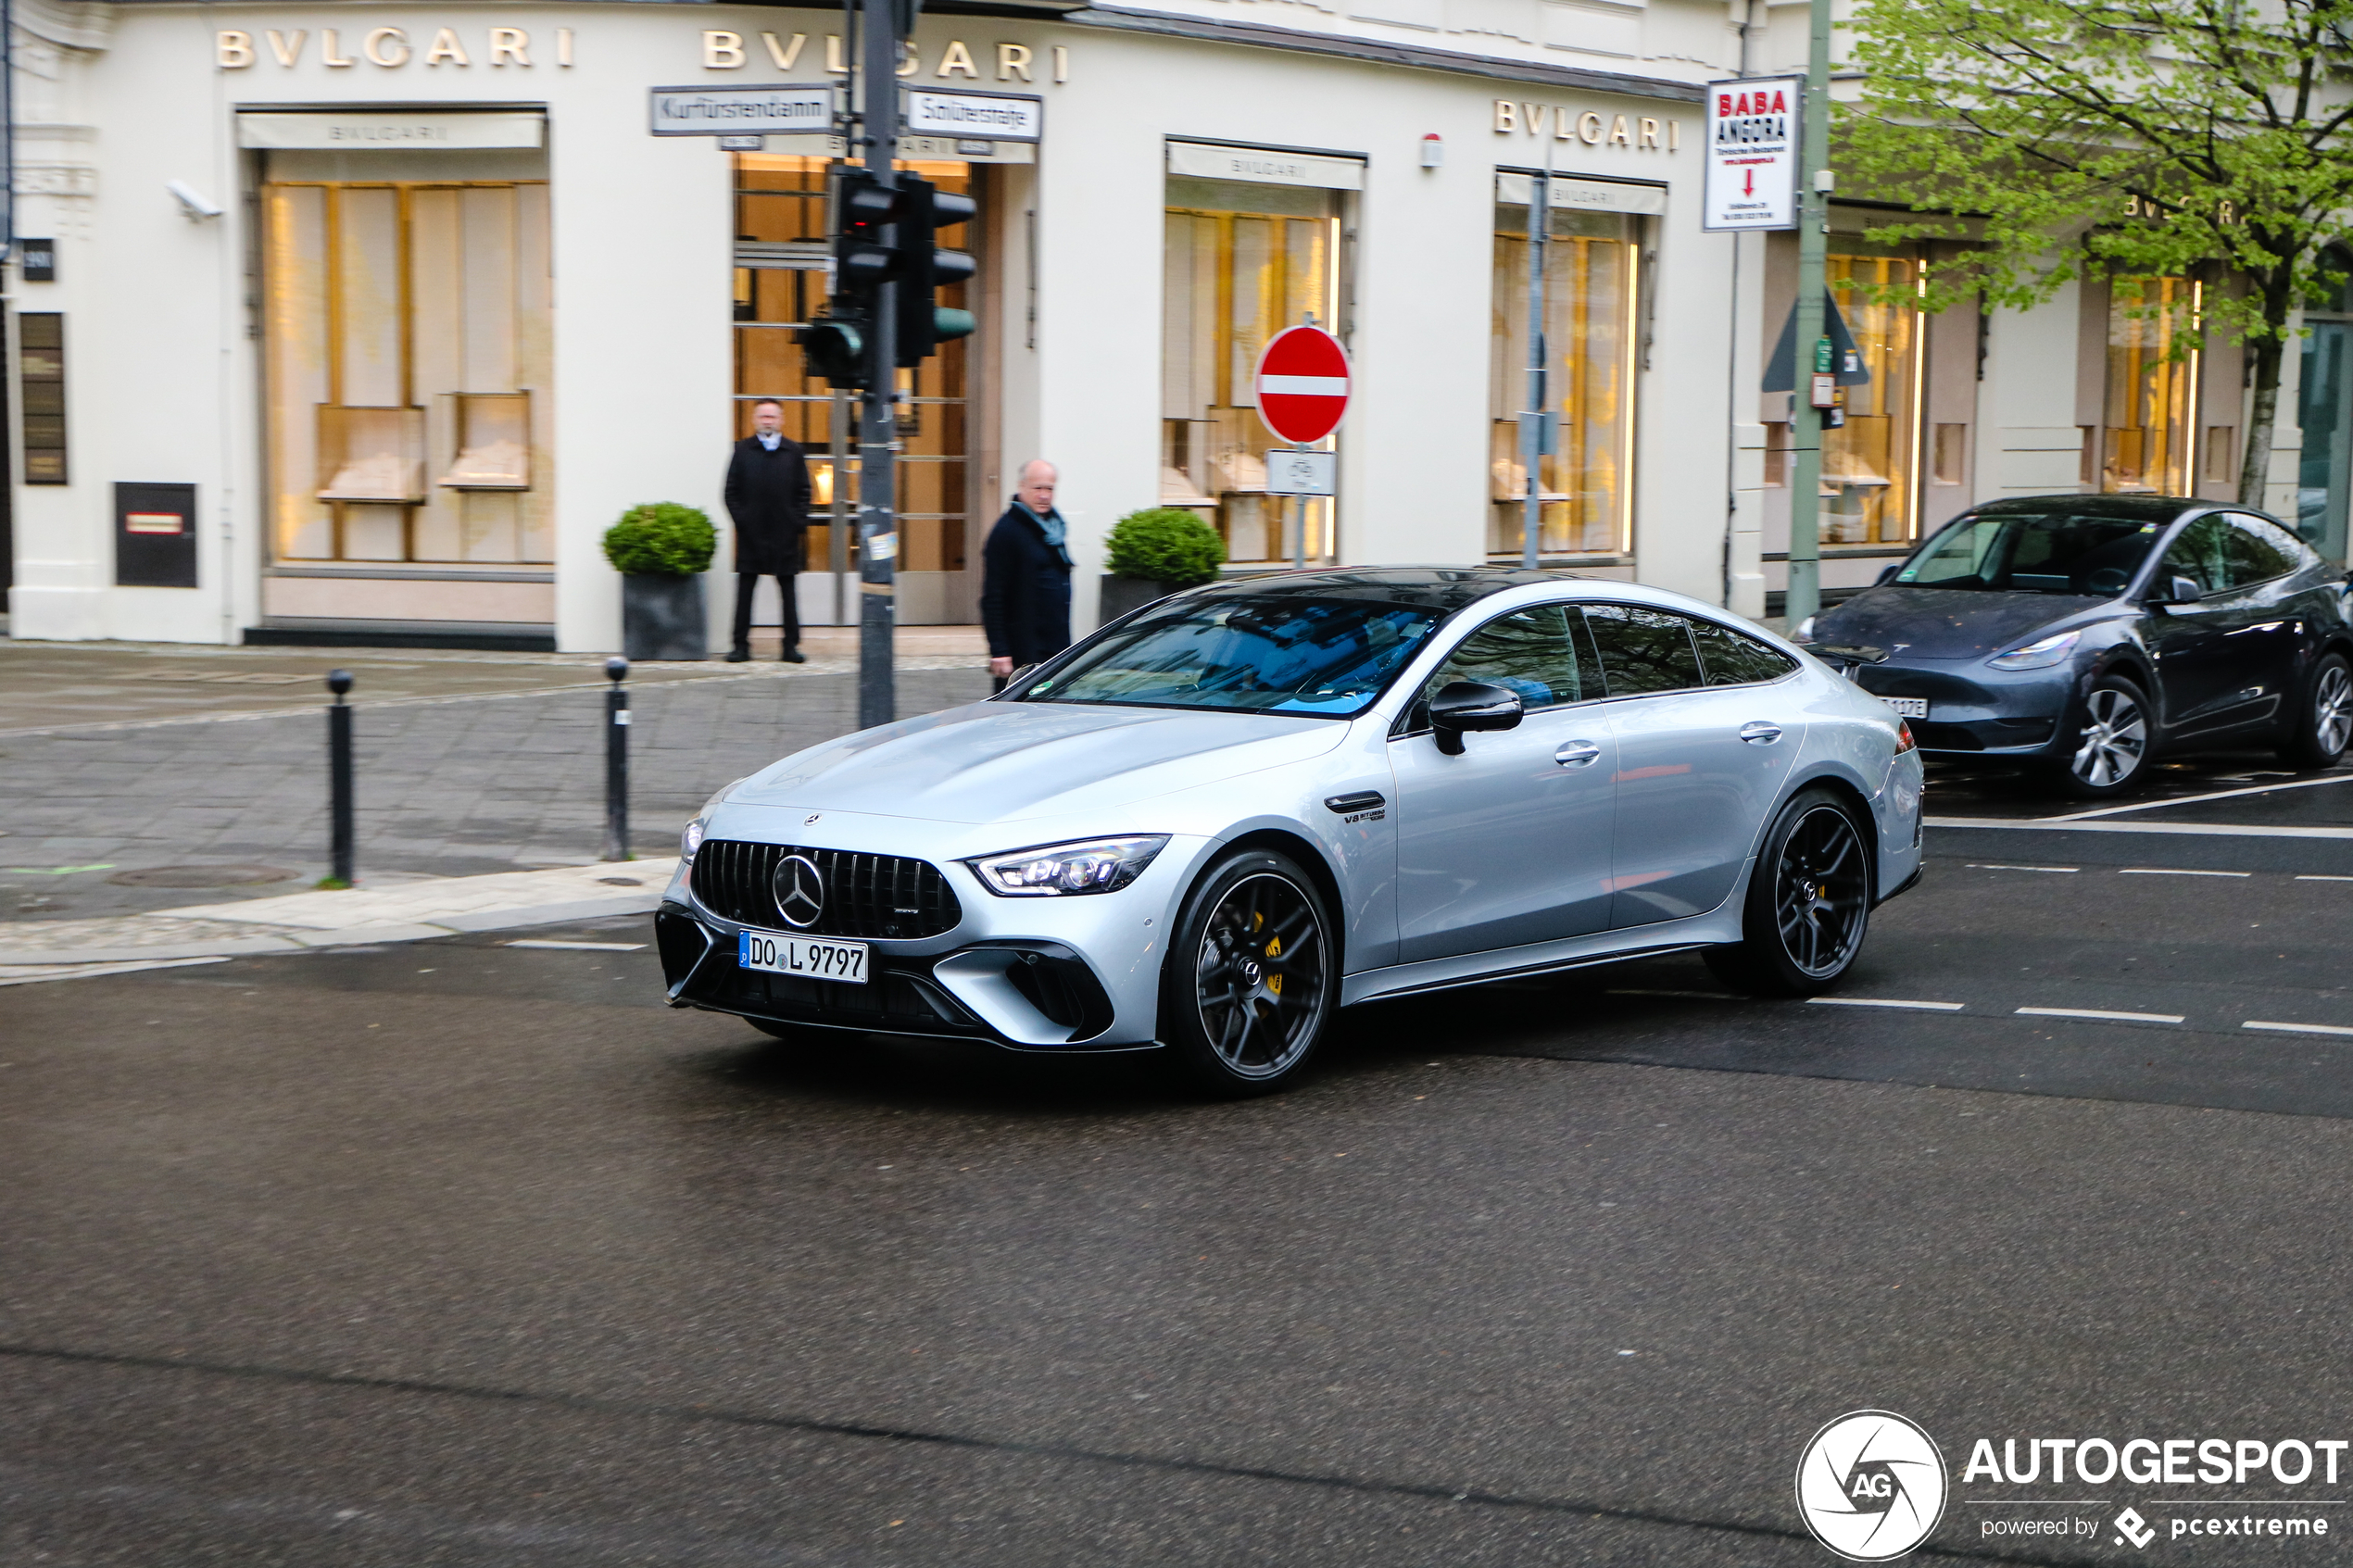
(1303, 384)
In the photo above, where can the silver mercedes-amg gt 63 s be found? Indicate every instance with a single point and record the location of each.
(1222, 817)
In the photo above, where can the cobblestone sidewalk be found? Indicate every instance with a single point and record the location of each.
(457, 785)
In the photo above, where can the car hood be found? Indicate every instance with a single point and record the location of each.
(995, 761)
(1912, 623)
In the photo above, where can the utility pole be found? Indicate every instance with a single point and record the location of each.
(877, 405)
(1533, 424)
(1810, 350)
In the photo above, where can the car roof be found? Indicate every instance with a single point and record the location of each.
(1442, 588)
(2147, 508)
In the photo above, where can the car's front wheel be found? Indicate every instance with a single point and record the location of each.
(1251, 977)
(1809, 902)
(2109, 749)
(2325, 724)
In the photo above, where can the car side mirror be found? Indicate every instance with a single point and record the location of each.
(1472, 705)
(1887, 574)
(2176, 590)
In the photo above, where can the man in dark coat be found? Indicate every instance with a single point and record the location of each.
(768, 496)
(1024, 577)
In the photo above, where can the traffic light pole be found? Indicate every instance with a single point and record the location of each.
(877, 412)
(1804, 595)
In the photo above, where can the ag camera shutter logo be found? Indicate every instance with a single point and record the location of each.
(1871, 1486)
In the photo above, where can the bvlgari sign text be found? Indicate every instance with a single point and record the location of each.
(390, 47)
(1634, 133)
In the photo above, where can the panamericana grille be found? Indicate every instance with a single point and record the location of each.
(872, 896)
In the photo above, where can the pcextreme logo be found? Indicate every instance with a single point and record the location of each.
(1871, 1486)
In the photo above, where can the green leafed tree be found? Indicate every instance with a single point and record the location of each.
(2149, 138)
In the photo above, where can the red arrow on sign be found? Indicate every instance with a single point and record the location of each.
(1303, 384)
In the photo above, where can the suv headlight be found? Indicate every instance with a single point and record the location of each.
(2038, 656)
(1094, 865)
(691, 840)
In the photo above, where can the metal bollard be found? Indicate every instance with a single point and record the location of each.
(339, 781)
(617, 761)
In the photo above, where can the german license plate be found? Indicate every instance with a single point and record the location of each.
(808, 957)
(1909, 706)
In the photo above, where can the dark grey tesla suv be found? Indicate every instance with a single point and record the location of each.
(2087, 634)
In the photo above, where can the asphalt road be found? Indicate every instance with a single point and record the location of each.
(465, 1253)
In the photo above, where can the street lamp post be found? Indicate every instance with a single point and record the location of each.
(1804, 595)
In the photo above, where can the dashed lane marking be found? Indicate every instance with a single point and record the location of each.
(2169, 870)
(583, 946)
(1885, 1002)
(2315, 877)
(2067, 868)
(2296, 1028)
(2098, 1016)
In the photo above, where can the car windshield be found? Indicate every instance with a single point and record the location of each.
(1322, 656)
(2057, 552)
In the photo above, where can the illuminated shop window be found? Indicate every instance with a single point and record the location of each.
(2152, 377)
(1870, 465)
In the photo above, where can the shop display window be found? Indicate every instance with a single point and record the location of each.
(1589, 278)
(2324, 410)
(781, 252)
(1871, 464)
(406, 323)
(2152, 374)
(1242, 263)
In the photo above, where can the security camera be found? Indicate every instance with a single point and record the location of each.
(193, 202)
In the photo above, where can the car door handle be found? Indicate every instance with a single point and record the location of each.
(1577, 754)
(1756, 732)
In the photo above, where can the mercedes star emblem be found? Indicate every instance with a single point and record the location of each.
(800, 891)
(814, 815)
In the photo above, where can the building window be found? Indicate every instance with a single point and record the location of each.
(1585, 484)
(1870, 464)
(1244, 262)
(409, 352)
(2152, 374)
(781, 253)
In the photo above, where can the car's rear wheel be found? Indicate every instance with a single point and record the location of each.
(1251, 978)
(2109, 748)
(1809, 902)
(2324, 725)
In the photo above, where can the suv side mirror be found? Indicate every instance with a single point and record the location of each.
(1472, 705)
(2176, 590)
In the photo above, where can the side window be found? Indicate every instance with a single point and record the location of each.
(2202, 553)
(1644, 650)
(2260, 551)
(1530, 653)
(1733, 659)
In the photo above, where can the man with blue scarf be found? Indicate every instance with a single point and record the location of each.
(1024, 576)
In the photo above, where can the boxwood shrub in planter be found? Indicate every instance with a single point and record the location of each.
(1155, 552)
(661, 549)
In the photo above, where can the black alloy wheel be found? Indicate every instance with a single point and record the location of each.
(1250, 979)
(2324, 722)
(1809, 902)
(2108, 749)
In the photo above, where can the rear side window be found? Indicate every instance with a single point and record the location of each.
(1644, 650)
(1531, 653)
(1732, 659)
(2260, 551)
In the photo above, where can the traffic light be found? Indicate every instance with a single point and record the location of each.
(924, 322)
(863, 210)
(835, 347)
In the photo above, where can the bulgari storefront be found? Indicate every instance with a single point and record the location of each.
(365, 321)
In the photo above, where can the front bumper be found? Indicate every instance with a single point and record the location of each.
(1974, 711)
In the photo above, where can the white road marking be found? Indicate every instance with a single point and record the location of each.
(28, 974)
(2167, 871)
(1977, 868)
(2316, 877)
(2296, 1028)
(1885, 1002)
(2103, 1016)
(583, 946)
(2193, 800)
(2202, 830)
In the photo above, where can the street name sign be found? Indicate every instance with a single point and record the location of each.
(1752, 154)
(1302, 385)
(742, 111)
(996, 116)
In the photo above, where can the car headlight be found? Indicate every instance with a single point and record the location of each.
(691, 840)
(1804, 633)
(1095, 865)
(2038, 656)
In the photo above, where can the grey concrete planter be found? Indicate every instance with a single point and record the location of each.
(1121, 595)
(661, 616)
